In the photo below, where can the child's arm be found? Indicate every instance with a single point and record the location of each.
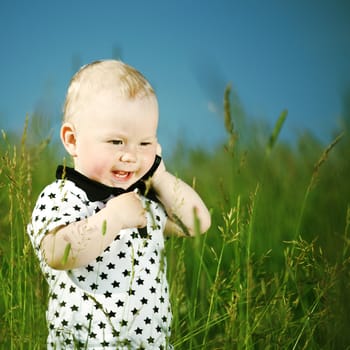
(182, 204)
(80, 242)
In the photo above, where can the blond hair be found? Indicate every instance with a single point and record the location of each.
(100, 76)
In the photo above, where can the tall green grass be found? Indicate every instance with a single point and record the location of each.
(272, 272)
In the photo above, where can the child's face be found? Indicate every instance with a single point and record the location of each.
(115, 139)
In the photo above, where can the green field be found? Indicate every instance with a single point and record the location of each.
(273, 272)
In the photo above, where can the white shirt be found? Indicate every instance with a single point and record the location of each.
(118, 301)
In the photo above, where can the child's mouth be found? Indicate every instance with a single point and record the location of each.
(122, 175)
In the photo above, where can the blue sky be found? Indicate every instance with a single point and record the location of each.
(276, 54)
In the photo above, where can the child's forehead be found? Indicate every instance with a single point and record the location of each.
(106, 107)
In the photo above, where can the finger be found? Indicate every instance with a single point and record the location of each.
(159, 149)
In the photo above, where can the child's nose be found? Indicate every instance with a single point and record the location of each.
(128, 155)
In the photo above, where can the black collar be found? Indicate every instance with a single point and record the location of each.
(96, 191)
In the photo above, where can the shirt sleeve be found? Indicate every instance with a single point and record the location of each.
(59, 204)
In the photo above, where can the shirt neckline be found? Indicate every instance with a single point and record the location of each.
(97, 191)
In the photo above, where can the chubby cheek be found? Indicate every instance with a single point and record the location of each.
(147, 162)
(94, 165)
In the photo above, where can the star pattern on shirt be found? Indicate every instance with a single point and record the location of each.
(122, 292)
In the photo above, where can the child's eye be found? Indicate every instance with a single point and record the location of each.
(145, 143)
(116, 142)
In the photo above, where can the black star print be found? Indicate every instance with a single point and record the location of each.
(88, 316)
(81, 278)
(131, 291)
(72, 289)
(128, 243)
(123, 323)
(144, 300)
(89, 268)
(42, 207)
(93, 286)
(161, 299)
(153, 290)
(156, 309)
(138, 330)
(102, 325)
(76, 208)
(134, 311)
(78, 326)
(140, 281)
(99, 259)
(126, 273)
(62, 285)
(105, 343)
(64, 322)
(116, 333)
(63, 303)
(74, 308)
(111, 314)
(134, 235)
(152, 261)
(121, 255)
(68, 341)
(107, 294)
(103, 276)
(92, 335)
(115, 284)
(52, 195)
(120, 303)
(111, 266)
(147, 320)
(150, 340)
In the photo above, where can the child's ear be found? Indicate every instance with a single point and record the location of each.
(68, 138)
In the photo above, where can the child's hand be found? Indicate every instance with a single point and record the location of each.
(128, 210)
(161, 168)
(84, 237)
(187, 213)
